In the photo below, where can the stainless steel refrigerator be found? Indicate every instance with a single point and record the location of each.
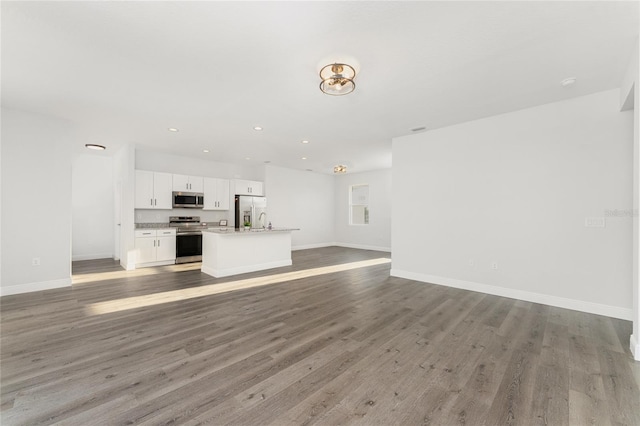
(250, 209)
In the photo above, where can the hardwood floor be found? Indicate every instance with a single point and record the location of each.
(331, 340)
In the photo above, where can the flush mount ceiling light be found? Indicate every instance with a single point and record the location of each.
(173, 129)
(95, 146)
(337, 79)
(305, 141)
(205, 151)
(340, 169)
(257, 128)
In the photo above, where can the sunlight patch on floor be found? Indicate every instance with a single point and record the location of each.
(141, 272)
(190, 293)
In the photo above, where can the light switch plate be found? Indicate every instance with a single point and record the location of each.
(594, 222)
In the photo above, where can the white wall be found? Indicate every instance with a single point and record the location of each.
(124, 182)
(36, 202)
(93, 207)
(630, 99)
(168, 163)
(301, 199)
(377, 234)
(515, 189)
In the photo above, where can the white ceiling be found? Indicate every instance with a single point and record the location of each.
(124, 72)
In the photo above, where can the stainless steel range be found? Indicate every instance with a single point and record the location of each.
(188, 238)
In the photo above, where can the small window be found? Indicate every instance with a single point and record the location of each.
(359, 205)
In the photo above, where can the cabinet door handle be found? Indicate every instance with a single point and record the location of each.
(155, 201)
(154, 243)
(151, 200)
(158, 243)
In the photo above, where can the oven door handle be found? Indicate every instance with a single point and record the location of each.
(189, 233)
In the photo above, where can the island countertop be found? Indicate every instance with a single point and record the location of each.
(254, 231)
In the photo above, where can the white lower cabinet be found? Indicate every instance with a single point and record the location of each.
(155, 247)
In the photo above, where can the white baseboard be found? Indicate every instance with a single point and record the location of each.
(545, 299)
(31, 287)
(311, 246)
(92, 256)
(218, 273)
(347, 245)
(150, 264)
(634, 345)
(363, 247)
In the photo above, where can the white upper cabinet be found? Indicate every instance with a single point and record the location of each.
(249, 187)
(216, 194)
(186, 183)
(153, 190)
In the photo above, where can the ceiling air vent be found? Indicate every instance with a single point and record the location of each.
(417, 129)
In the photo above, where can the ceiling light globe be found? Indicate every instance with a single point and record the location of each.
(337, 79)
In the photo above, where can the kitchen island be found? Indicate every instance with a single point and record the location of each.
(232, 251)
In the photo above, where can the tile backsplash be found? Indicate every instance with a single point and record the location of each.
(162, 216)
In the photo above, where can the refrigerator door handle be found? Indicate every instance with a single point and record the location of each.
(253, 215)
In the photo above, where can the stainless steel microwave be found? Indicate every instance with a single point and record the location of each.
(189, 200)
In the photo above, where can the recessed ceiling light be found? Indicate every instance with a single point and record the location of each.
(305, 141)
(173, 129)
(95, 146)
(205, 150)
(257, 128)
(568, 81)
(304, 158)
(247, 158)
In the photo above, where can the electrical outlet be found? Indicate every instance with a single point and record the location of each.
(494, 265)
(35, 261)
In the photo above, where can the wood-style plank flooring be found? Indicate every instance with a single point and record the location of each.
(331, 340)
